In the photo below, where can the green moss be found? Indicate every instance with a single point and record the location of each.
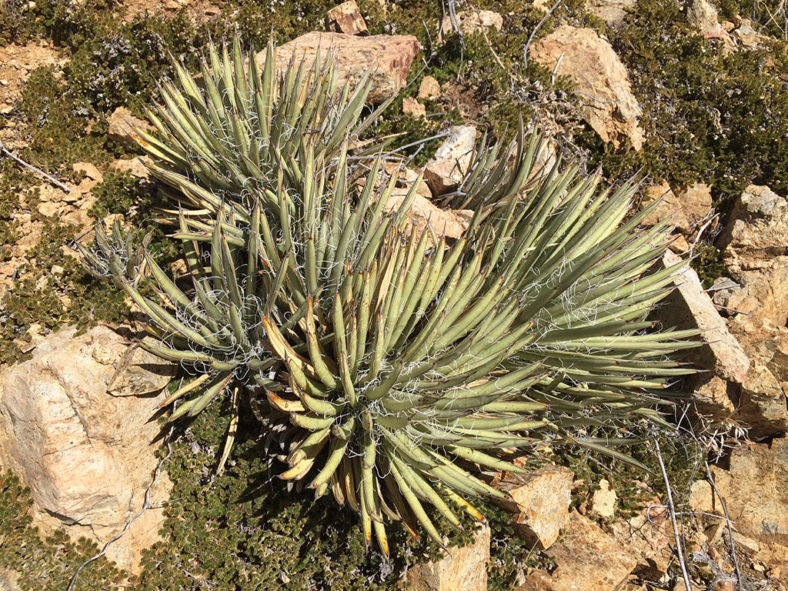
(56, 130)
(708, 265)
(243, 529)
(45, 564)
(38, 296)
(118, 193)
(707, 117)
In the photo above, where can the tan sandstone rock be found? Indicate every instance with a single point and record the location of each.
(539, 503)
(136, 167)
(702, 15)
(586, 559)
(613, 12)
(412, 107)
(471, 21)
(685, 211)
(429, 89)
(346, 18)
(755, 251)
(122, 125)
(603, 501)
(86, 455)
(423, 213)
(463, 568)
(689, 306)
(600, 79)
(388, 56)
(452, 160)
(755, 491)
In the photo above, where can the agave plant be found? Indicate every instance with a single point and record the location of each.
(222, 136)
(397, 367)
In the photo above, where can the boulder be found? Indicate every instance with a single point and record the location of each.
(613, 12)
(763, 400)
(757, 228)
(136, 167)
(471, 21)
(603, 501)
(86, 455)
(412, 107)
(452, 160)
(122, 125)
(423, 213)
(539, 502)
(346, 18)
(702, 15)
(389, 57)
(686, 211)
(755, 251)
(689, 306)
(586, 559)
(462, 568)
(429, 89)
(600, 80)
(755, 491)
(648, 536)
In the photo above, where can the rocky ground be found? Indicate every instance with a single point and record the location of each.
(693, 96)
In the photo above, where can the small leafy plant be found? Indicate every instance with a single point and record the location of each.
(393, 367)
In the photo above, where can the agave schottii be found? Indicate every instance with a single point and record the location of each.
(396, 364)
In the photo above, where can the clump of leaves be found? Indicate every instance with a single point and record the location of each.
(393, 367)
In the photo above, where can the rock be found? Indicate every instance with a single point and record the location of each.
(408, 176)
(412, 107)
(448, 168)
(603, 501)
(429, 89)
(755, 491)
(600, 79)
(762, 401)
(757, 228)
(89, 170)
(689, 306)
(722, 290)
(586, 559)
(122, 125)
(613, 12)
(137, 167)
(137, 373)
(92, 178)
(423, 213)
(9, 579)
(471, 21)
(648, 536)
(762, 406)
(346, 18)
(713, 398)
(539, 503)
(388, 56)
(463, 568)
(679, 244)
(685, 211)
(702, 15)
(747, 36)
(86, 455)
(755, 252)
